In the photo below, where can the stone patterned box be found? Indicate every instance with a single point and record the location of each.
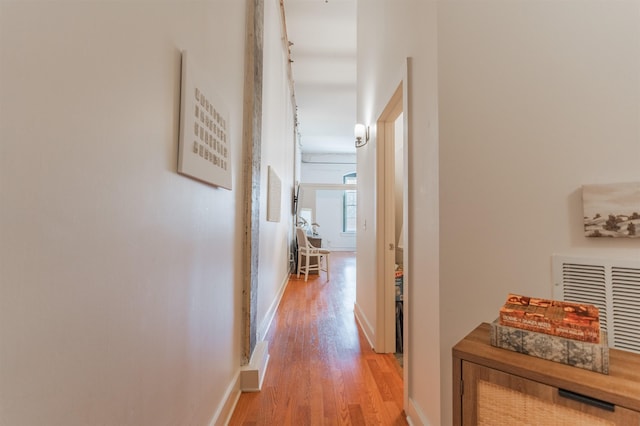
(589, 356)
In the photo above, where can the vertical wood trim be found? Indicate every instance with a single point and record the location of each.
(252, 141)
(381, 328)
(389, 234)
(385, 226)
(407, 221)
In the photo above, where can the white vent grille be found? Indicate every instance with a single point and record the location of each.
(611, 285)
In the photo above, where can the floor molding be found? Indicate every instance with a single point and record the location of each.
(414, 413)
(224, 412)
(265, 324)
(365, 325)
(252, 375)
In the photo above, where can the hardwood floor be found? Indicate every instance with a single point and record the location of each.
(321, 368)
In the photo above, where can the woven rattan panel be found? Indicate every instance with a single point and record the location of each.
(498, 405)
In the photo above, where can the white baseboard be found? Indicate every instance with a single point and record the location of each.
(252, 375)
(415, 416)
(265, 324)
(365, 325)
(223, 414)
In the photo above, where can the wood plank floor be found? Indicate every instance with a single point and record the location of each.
(321, 369)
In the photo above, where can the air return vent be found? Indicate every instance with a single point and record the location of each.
(611, 285)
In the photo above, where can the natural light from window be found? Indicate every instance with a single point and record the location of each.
(350, 203)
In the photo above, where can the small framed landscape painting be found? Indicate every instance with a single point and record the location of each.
(612, 210)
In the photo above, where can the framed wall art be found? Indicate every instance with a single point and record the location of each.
(274, 196)
(204, 151)
(612, 210)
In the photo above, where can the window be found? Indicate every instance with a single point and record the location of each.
(349, 204)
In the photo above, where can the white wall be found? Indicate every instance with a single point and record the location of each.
(331, 171)
(525, 121)
(120, 281)
(534, 99)
(389, 32)
(278, 152)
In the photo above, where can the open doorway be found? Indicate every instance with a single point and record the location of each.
(391, 227)
(324, 212)
(399, 184)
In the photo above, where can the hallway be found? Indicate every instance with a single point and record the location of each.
(321, 368)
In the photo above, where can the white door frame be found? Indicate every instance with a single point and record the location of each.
(385, 223)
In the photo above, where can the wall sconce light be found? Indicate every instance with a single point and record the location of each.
(361, 132)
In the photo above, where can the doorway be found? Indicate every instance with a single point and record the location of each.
(322, 211)
(391, 226)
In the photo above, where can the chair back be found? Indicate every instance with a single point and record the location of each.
(303, 243)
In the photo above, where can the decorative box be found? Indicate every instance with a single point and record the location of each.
(575, 321)
(586, 355)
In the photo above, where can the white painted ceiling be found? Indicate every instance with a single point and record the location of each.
(323, 33)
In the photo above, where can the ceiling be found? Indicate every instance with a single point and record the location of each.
(323, 33)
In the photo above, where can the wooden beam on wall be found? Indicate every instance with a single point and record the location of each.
(252, 141)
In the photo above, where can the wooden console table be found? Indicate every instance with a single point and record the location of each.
(494, 386)
(315, 241)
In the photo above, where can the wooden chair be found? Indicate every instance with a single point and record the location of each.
(310, 252)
